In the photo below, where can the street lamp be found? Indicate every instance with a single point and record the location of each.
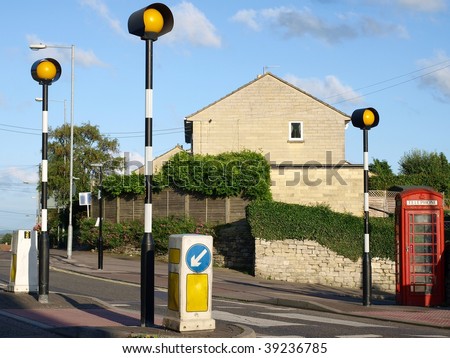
(41, 46)
(100, 217)
(39, 99)
(149, 23)
(45, 71)
(365, 119)
(38, 209)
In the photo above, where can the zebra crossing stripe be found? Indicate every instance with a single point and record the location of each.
(251, 321)
(309, 318)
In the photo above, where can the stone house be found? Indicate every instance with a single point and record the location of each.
(159, 161)
(301, 136)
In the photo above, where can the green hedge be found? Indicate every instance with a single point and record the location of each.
(235, 174)
(341, 233)
(123, 236)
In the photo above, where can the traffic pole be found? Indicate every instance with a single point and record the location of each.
(367, 265)
(44, 245)
(148, 243)
(45, 72)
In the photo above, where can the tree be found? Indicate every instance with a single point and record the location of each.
(89, 147)
(380, 167)
(7, 238)
(381, 177)
(419, 167)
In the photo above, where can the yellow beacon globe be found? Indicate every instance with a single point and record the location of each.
(46, 70)
(368, 118)
(153, 20)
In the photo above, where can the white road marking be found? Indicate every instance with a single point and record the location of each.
(253, 321)
(361, 336)
(262, 336)
(317, 319)
(428, 336)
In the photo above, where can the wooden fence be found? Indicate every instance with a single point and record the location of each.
(381, 202)
(169, 203)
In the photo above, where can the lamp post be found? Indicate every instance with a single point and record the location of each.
(41, 46)
(38, 202)
(149, 23)
(39, 99)
(365, 119)
(45, 71)
(100, 217)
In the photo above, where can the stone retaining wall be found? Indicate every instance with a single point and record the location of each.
(234, 247)
(302, 261)
(309, 262)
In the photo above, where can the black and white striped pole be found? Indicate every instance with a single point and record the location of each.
(149, 24)
(45, 71)
(365, 119)
(100, 216)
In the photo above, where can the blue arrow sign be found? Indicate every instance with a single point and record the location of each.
(198, 258)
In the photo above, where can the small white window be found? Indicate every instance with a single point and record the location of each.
(295, 131)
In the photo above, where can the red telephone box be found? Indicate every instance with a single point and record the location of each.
(420, 242)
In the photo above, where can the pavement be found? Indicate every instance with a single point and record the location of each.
(81, 316)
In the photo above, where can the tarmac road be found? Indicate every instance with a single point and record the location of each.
(227, 284)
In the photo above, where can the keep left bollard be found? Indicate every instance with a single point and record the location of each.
(190, 283)
(24, 268)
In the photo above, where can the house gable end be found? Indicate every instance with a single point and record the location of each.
(259, 116)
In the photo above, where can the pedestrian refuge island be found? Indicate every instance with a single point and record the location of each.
(190, 283)
(24, 267)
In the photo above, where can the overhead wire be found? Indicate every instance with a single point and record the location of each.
(18, 131)
(156, 132)
(447, 62)
(168, 131)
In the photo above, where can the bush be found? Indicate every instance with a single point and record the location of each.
(243, 174)
(114, 235)
(6, 239)
(342, 233)
(128, 235)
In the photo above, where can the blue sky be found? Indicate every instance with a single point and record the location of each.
(393, 55)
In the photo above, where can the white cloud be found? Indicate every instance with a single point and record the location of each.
(248, 18)
(87, 58)
(103, 11)
(192, 26)
(423, 5)
(373, 27)
(14, 175)
(82, 57)
(298, 23)
(330, 89)
(437, 77)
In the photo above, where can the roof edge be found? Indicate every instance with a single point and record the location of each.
(279, 79)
